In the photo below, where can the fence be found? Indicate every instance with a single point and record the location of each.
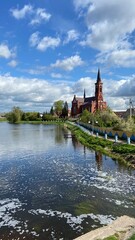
(109, 132)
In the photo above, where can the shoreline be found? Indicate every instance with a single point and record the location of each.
(123, 228)
(121, 152)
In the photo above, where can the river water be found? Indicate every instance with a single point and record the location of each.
(52, 187)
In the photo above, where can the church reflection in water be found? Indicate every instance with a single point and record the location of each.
(99, 162)
(98, 155)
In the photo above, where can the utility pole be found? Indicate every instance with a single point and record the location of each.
(131, 107)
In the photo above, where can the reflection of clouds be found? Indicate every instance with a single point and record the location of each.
(47, 172)
(37, 147)
(16, 138)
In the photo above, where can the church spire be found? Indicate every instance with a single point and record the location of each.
(98, 88)
(84, 96)
(98, 76)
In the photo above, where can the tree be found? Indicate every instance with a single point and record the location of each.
(58, 106)
(125, 125)
(48, 117)
(107, 118)
(65, 110)
(87, 117)
(52, 111)
(15, 115)
(31, 116)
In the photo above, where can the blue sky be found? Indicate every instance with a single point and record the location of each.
(52, 49)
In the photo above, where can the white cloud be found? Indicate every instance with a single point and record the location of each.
(34, 39)
(40, 15)
(43, 43)
(68, 64)
(72, 35)
(117, 104)
(31, 94)
(20, 14)
(110, 26)
(5, 52)
(48, 42)
(85, 83)
(56, 75)
(81, 3)
(37, 70)
(121, 58)
(13, 63)
(118, 93)
(126, 88)
(37, 16)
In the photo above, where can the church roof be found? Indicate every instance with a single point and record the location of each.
(90, 99)
(79, 99)
(86, 103)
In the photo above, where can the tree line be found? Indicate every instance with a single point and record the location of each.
(58, 110)
(108, 118)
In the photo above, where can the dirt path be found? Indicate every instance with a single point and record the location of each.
(124, 227)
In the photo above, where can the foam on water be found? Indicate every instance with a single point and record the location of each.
(74, 221)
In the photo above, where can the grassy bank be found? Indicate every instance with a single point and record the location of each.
(3, 119)
(121, 152)
(41, 122)
(116, 237)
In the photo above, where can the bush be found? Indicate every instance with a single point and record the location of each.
(15, 115)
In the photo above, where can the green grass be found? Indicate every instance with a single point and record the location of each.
(124, 148)
(3, 119)
(132, 238)
(117, 152)
(41, 122)
(111, 238)
(115, 237)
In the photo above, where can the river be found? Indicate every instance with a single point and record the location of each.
(52, 187)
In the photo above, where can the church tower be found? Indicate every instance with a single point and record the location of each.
(100, 104)
(91, 104)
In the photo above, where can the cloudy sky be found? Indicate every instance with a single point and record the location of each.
(52, 49)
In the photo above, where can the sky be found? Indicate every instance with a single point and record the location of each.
(51, 50)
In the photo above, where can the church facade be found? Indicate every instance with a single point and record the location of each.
(92, 104)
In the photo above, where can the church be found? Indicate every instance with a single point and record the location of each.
(92, 104)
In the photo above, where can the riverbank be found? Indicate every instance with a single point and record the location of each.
(123, 228)
(49, 122)
(42, 122)
(118, 151)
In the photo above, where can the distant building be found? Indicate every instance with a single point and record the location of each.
(92, 104)
(120, 113)
(125, 114)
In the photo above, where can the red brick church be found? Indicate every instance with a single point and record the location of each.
(92, 104)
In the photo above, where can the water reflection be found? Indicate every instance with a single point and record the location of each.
(76, 143)
(98, 158)
(59, 134)
(50, 182)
